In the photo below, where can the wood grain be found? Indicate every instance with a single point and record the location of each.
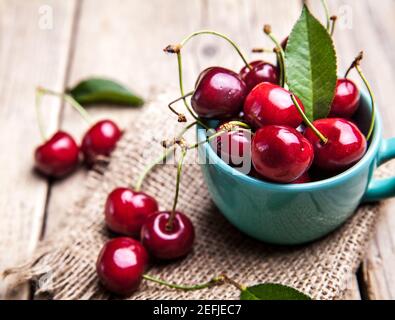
(29, 56)
(123, 40)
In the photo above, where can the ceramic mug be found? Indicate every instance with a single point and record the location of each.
(299, 213)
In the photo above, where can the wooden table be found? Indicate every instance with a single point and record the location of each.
(123, 39)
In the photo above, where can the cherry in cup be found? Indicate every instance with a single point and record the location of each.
(270, 104)
(121, 264)
(100, 140)
(58, 156)
(304, 178)
(127, 210)
(280, 153)
(346, 100)
(167, 235)
(260, 71)
(219, 94)
(234, 144)
(344, 147)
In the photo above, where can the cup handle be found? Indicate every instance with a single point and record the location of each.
(379, 189)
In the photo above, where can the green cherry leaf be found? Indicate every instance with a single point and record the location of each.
(311, 65)
(272, 291)
(98, 91)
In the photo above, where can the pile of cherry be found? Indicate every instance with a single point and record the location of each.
(282, 148)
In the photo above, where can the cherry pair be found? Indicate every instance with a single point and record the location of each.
(220, 92)
(59, 155)
(136, 214)
(122, 261)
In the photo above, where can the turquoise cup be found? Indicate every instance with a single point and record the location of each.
(299, 213)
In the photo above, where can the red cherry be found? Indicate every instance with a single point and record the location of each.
(269, 104)
(281, 153)
(58, 156)
(304, 178)
(121, 264)
(346, 100)
(127, 210)
(219, 94)
(100, 140)
(346, 144)
(233, 146)
(168, 244)
(261, 72)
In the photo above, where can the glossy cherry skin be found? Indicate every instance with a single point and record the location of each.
(268, 104)
(58, 156)
(100, 140)
(346, 144)
(166, 244)
(121, 264)
(126, 210)
(261, 72)
(346, 100)
(233, 147)
(304, 178)
(280, 153)
(219, 94)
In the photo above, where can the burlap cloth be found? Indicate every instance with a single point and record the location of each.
(64, 266)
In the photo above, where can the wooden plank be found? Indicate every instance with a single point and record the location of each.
(379, 266)
(123, 40)
(367, 26)
(372, 31)
(32, 53)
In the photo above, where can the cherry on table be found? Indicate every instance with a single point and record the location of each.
(121, 264)
(100, 140)
(168, 243)
(219, 94)
(346, 144)
(58, 156)
(126, 210)
(280, 153)
(270, 104)
(261, 72)
(346, 100)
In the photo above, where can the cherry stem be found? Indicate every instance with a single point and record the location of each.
(356, 64)
(181, 84)
(267, 29)
(213, 282)
(39, 96)
(233, 282)
(181, 117)
(326, 9)
(262, 50)
(333, 19)
(281, 65)
(159, 159)
(307, 121)
(234, 45)
(230, 126)
(68, 98)
(169, 224)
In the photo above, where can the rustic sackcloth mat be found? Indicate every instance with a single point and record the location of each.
(64, 265)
